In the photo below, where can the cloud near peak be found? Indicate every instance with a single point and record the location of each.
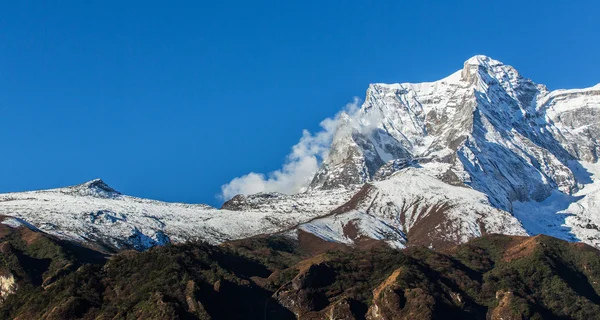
(300, 166)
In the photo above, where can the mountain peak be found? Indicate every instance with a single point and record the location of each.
(97, 186)
(482, 60)
(484, 64)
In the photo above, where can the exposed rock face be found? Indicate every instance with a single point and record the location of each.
(507, 303)
(491, 128)
(414, 208)
(297, 295)
(8, 286)
(483, 150)
(485, 128)
(310, 203)
(576, 116)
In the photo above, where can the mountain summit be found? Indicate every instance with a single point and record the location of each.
(484, 126)
(484, 150)
(95, 187)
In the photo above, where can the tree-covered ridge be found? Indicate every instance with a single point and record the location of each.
(496, 276)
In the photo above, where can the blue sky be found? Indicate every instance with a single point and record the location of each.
(171, 102)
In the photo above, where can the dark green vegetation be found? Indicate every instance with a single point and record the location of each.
(493, 277)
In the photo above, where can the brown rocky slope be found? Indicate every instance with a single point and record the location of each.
(492, 277)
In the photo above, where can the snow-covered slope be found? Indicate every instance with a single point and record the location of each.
(484, 127)
(490, 128)
(573, 217)
(414, 207)
(483, 150)
(95, 214)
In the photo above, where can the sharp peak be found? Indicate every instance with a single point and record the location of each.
(472, 64)
(97, 184)
(481, 59)
(94, 181)
(471, 68)
(476, 65)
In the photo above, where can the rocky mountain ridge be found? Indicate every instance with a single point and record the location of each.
(95, 214)
(483, 150)
(485, 128)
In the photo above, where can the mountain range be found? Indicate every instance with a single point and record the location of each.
(484, 150)
(433, 200)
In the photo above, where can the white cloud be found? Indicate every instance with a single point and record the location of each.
(300, 166)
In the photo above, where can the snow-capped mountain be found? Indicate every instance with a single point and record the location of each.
(484, 125)
(483, 150)
(485, 128)
(413, 207)
(95, 214)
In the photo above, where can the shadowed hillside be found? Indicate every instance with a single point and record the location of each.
(493, 277)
